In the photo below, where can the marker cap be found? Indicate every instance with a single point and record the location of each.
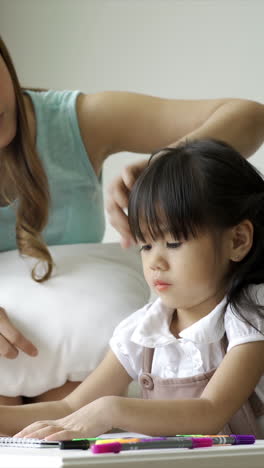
(202, 442)
(243, 439)
(114, 447)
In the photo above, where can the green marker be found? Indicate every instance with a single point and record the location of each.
(89, 438)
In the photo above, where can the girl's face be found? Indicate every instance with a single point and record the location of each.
(7, 106)
(188, 275)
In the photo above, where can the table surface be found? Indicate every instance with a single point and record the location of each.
(240, 456)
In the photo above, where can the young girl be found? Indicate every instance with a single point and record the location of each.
(53, 146)
(197, 213)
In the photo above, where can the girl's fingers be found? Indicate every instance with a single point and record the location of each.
(46, 432)
(49, 432)
(32, 428)
(64, 435)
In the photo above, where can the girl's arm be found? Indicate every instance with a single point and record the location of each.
(109, 378)
(229, 388)
(231, 385)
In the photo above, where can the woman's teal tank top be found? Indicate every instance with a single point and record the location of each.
(77, 209)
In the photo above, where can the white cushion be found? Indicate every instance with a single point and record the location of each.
(70, 318)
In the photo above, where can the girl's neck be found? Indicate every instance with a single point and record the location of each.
(184, 318)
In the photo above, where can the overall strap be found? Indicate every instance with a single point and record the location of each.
(147, 359)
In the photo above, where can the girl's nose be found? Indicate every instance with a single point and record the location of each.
(158, 263)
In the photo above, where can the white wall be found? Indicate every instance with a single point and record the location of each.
(170, 48)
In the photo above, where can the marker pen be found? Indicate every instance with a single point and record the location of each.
(222, 439)
(74, 444)
(128, 440)
(91, 439)
(116, 447)
(233, 439)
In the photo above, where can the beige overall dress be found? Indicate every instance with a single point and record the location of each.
(152, 387)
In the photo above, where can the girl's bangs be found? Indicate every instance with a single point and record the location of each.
(169, 206)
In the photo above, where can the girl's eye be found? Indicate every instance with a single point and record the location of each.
(173, 245)
(145, 247)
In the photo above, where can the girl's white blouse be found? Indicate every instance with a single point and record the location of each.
(198, 348)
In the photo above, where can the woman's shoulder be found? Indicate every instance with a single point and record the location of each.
(57, 121)
(52, 98)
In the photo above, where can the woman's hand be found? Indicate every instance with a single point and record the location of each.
(89, 421)
(117, 202)
(11, 340)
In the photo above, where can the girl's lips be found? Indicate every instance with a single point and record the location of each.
(161, 285)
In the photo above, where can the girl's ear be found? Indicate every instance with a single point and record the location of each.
(241, 240)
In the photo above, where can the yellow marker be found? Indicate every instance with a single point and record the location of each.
(122, 441)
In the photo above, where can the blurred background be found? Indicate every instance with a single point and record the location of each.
(188, 49)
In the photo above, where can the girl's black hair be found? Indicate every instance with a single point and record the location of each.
(203, 186)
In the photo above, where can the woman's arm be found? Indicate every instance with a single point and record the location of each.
(111, 122)
(109, 378)
(229, 388)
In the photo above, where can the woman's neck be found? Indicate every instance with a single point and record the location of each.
(31, 118)
(8, 191)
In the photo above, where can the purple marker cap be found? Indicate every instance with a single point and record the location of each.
(202, 442)
(243, 439)
(113, 447)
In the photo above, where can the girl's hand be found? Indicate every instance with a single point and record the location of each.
(89, 421)
(117, 202)
(11, 340)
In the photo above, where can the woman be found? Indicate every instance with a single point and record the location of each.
(52, 147)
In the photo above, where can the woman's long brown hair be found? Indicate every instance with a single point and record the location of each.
(24, 169)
